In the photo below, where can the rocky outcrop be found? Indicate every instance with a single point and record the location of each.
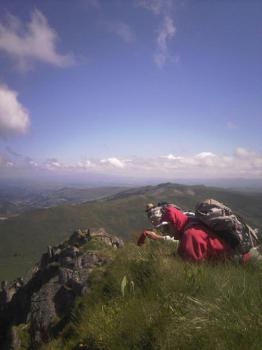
(42, 301)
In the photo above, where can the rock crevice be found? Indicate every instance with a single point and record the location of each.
(47, 294)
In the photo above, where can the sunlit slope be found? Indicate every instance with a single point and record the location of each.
(149, 299)
(24, 238)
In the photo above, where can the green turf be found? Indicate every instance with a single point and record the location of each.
(150, 299)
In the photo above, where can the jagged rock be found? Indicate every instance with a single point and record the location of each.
(91, 259)
(78, 237)
(117, 242)
(4, 297)
(108, 239)
(48, 292)
(13, 341)
(70, 251)
(67, 261)
(65, 275)
(50, 252)
(63, 301)
(44, 260)
(43, 311)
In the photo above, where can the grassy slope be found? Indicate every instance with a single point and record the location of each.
(24, 238)
(166, 304)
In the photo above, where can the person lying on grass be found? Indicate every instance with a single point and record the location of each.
(196, 242)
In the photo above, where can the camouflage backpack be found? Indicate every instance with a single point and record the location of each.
(226, 225)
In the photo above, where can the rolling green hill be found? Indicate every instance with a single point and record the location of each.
(25, 238)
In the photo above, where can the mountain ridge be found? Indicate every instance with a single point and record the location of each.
(26, 236)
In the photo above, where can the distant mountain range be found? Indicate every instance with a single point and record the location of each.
(17, 200)
(25, 237)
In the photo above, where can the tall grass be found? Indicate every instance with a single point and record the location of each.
(149, 299)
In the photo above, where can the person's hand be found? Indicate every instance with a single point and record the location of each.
(149, 234)
(153, 235)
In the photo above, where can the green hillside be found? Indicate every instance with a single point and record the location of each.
(25, 238)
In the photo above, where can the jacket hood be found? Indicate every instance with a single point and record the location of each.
(177, 219)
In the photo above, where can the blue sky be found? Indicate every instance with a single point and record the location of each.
(142, 87)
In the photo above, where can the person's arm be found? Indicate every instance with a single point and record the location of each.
(154, 236)
(149, 234)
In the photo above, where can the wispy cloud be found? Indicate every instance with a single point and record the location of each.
(122, 30)
(166, 33)
(34, 41)
(14, 118)
(167, 29)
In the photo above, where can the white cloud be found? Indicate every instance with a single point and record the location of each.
(9, 164)
(241, 152)
(33, 163)
(52, 164)
(166, 33)
(13, 116)
(204, 155)
(243, 163)
(86, 164)
(35, 41)
(172, 157)
(115, 162)
(122, 30)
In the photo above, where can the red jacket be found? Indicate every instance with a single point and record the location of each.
(197, 243)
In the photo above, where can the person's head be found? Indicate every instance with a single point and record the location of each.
(158, 218)
(154, 214)
(149, 206)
